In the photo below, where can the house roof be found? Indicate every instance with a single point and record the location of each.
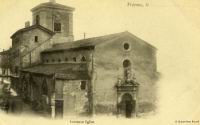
(71, 71)
(33, 27)
(52, 5)
(91, 42)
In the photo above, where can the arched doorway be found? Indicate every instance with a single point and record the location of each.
(127, 105)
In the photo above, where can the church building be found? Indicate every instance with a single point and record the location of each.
(115, 74)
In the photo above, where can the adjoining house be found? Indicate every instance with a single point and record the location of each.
(5, 66)
(5, 63)
(112, 74)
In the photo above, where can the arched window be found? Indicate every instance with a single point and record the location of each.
(53, 60)
(37, 19)
(83, 59)
(66, 59)
(57, 22)
(59, 60)
(74, 59)
(126, 63)
(127, 70)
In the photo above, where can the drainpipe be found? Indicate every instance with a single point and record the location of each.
(30, 58)
(53, 106)
(92, 88)
(53, 99)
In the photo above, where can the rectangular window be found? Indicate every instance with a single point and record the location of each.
(57, 27)
(36, 38)
(16, 69)
(83, 85)
(4, 72)
(37, 19)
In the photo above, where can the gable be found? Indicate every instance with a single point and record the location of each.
(129, 39)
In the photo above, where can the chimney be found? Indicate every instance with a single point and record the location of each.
(27, 24)
(84, 35)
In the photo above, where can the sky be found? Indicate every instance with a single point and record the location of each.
(172, 26)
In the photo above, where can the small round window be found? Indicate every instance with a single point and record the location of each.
(126, 46)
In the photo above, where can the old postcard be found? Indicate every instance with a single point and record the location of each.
(69, 62)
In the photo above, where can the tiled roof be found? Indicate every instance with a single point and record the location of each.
(92, 42)
(53, 5)
(72, 71)
(33, 27)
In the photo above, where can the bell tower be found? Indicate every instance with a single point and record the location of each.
(55, 17)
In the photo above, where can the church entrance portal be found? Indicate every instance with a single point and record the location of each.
(127, 105)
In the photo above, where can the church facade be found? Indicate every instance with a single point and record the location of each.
(114, 74)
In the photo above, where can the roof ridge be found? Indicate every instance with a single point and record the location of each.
(102, 36)
(93, 41)
(84, 42)
(93, 37)
(32, 27)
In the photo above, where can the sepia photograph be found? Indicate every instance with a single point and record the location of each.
(68, 62)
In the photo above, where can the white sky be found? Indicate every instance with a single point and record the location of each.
(170, 25)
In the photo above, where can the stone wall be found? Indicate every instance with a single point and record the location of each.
(28, 38)
(75, 100)
(108, 67)
(35, 55)
(35, 47)
(28, 51)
